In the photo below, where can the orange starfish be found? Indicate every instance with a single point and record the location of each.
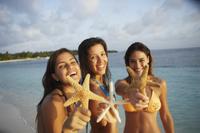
(83, 93)
(140, 82)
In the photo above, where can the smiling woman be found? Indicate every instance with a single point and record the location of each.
(93, 57)
(52, 116)
(138, 60)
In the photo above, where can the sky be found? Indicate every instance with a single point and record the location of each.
(46, 25)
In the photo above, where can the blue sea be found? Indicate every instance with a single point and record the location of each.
(21, 86)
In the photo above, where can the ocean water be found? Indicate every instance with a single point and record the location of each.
(21, 87)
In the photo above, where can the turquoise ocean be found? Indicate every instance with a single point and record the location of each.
(21, 87)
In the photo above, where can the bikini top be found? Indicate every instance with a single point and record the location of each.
(102, 87)
(154, 105)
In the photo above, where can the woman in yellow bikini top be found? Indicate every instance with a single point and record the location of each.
(138, 60)
(141, 83)
(154, 104)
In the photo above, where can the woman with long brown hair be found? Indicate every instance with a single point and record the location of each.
(52, 116)
(139, 61)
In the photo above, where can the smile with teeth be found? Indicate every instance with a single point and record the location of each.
(101, 67)
(139, 71)
(72, 74)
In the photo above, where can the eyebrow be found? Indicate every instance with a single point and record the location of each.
(135, 59)
(97, 54)
(65, 62)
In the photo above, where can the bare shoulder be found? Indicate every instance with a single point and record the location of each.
(159, 81)
(52, 111)
(57, 96)
(155, 79)
(53, 100)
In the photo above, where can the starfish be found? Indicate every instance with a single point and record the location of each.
(111, 105)
(140, 82)
(83, 93)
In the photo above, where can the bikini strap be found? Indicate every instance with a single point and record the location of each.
(102, 87)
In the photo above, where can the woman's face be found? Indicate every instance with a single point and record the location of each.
(66, 65)
(98, 59)
(137, 61)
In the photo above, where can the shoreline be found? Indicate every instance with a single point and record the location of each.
(25, 59)
(11, 120)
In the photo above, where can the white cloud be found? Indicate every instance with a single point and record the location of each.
(47, 24)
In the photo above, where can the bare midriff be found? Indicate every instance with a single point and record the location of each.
(141, 122)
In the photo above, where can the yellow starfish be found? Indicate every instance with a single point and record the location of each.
(111, 105)
(83, 93)
(140, 82)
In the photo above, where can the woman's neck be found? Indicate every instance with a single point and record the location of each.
(98, 78)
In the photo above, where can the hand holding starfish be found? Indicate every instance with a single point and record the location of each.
(83, 93)
(111, 105)
(140, 82)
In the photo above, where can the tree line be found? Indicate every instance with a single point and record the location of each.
(28, 54)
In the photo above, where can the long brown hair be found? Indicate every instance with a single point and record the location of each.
(83, 57)
(48, 82)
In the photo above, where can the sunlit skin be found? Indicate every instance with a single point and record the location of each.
(53, 117)
(66, 66)
(98, 62)
(138, 60)
(142, 121)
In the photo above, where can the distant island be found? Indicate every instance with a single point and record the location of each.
(32, 55)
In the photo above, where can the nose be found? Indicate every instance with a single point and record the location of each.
(99, 60)
(69, 66)
(138, 65)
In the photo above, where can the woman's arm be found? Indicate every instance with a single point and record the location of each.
(165, 114)
(96, 109)
(55, 120)
(134, 96)
(121, 88)
(95, 106)
(53, 114)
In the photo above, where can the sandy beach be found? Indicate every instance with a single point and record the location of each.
(11, 120)
(26, 59)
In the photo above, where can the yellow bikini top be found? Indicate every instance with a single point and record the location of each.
(154, 105)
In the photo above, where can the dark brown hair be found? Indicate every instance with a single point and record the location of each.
(138, 46)
(83, 57)
(48, 82)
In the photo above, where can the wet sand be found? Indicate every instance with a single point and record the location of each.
(11, 120)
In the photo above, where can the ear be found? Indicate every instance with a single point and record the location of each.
(54, 77)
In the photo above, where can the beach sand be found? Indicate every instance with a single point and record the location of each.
(26, 59)
(11, 120)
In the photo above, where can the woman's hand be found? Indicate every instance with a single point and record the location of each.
(109, 116)
(77, 120)
(138, 100)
